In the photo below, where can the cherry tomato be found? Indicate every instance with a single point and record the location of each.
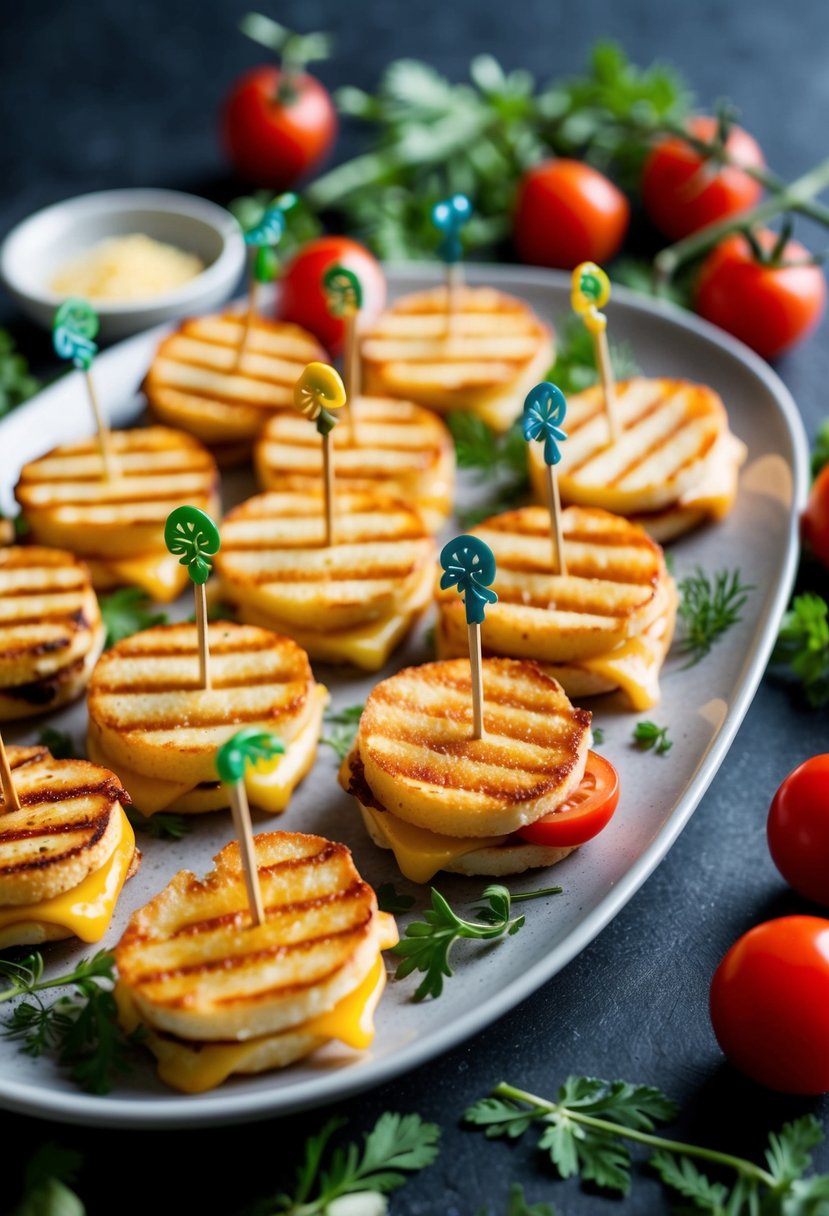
(272, 142)
(302, 300)
(682, 191)
(814, 524)
(566, 213)
(770, 1004)
(769, 307)
(588, 809)
(798, 829)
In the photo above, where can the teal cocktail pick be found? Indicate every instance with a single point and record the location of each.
(545, 407)
(468, 564)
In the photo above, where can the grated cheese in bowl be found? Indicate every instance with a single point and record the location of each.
(129, 267)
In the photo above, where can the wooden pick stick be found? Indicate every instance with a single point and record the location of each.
(250, 314)
(104, 434)
(454, 283)
(10, 798)
(328, 486)
(200, 593)
(556, 531)
(474, 635)
(247, 849)
(608, 379)
(352, 377)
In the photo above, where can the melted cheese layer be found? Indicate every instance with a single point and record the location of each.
(418, 852)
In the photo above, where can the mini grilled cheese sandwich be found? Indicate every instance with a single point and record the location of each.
(198, 383)
(394, 446)
(350, 602)
(607, 624)
(151, 722)
(443, 801)
(217, 995)
(65, 855)
(116, 524)
(484, 360)
(51, 634)
(675, 465)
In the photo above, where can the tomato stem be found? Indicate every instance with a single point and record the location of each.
(746, 1169)
(790, 198)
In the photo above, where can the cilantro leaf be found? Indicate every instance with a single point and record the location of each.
(682, 1176)
(390, 900)
(803, 644)
(648, 735)
(125, 612)
(59, 742)
(165, 825)
(344, 724)
(788, 1156)
(518, 1205)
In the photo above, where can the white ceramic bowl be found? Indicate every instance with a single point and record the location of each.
(34, 250)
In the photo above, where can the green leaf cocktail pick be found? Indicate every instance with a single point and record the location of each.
(192, 536)
(589, 292)
(468, 563)
(450, 217)
(344, 299)
(75, 327)
(11, 802)
(248, 747)
(545, 407)
(317, 392)
(263, 225)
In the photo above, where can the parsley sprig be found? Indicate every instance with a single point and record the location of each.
(397, 1145)
(586, 1132)
(427, 944)
(647, 736)
(125, 612)
(709, 606)
(518, 1206)
(165, 825)
(803, 644)
(16, 383)
(343, 725)
(79, 1029)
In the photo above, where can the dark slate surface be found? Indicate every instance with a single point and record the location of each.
(102, 94)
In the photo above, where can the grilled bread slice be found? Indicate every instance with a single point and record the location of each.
(394, 446)
(675, 462)
(150, 720)
(65, 855)
(195, 967)
(348, 602)
(117, 525)
(422, 765)
(197, 382)
(493, 352)
(51, 634)
(606, 624)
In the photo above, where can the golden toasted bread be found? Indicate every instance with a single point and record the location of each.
(117, 524)
(493, 352)
(421, 763)
(675, 454)
(196, 967)
(50, 629)
(197, 382)
(395, 447)
(68, 825)
(152, 722)
(351, 601)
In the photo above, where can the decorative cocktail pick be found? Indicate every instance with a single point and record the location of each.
(75, 327)
(247, 747)
(192, 536)
(317, 392)
(590, 291)
(11, 802)
(344, 299)
(450, 216)
(469, 564)
(544, 410)
(263, 228)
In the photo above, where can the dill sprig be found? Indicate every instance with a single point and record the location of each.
(708, 608)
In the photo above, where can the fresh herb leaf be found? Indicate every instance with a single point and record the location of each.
(803, 644)
(80, 1029)
(518, 1205)
(429, 639)
(16, 383)
(575, 367)
(708, 608)
(427, 944)
(820, 451)
(498, 460)
(46, 1190)
(125, 612)
(166, 825)
(586, 1132)
(60, 743)
(648, 735)
(344, 724)
(598, 735)
(390, 900)
(396, 1146)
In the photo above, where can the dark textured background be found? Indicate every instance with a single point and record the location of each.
(104, 94)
